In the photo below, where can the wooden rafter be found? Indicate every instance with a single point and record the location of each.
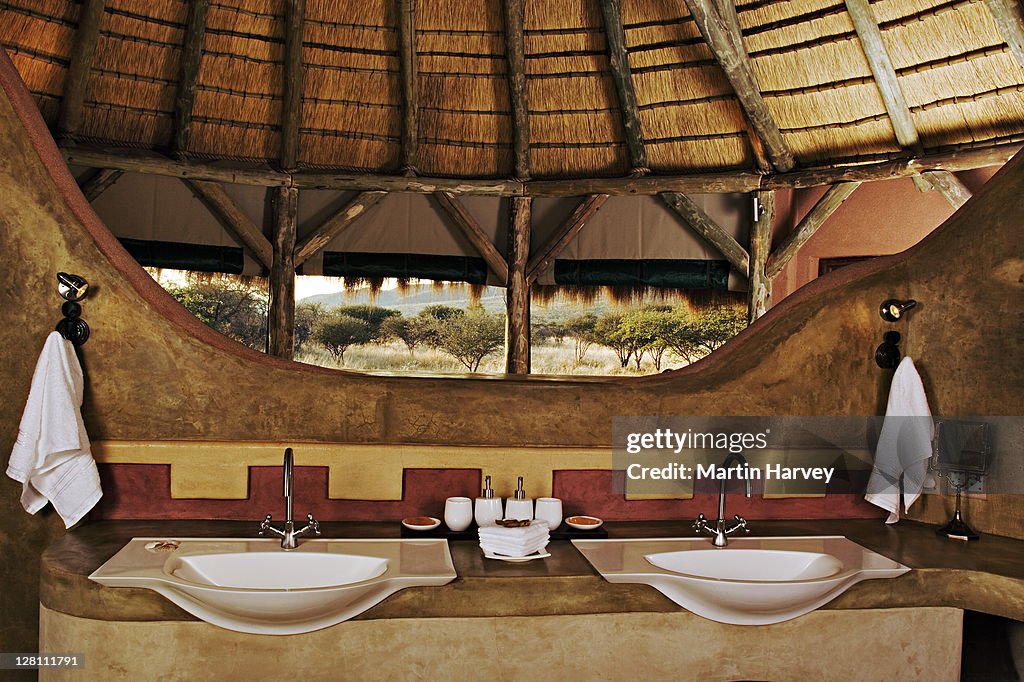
(407, 60)
(760, 286)
(740, 181)
(728, 50)
(191, 57)
(233, 219)
(805, 229)
(284, 203)
(517, 288)
(699, 221)
(90, 14)
(461, 216)
(618, 61)
(563, 236)
(515, 56)
(98, 181)
(949, 186)
(291, 105)
(1009, 17)
(335, 225)
(866, 25)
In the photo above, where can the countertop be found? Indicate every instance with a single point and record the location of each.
(987, 575)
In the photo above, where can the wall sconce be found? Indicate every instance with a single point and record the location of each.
(72, 288)
(892, 310)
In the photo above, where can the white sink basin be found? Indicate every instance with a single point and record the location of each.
(753, 581)
(255, 586)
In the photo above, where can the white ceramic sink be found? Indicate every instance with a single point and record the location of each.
(753, 581)
(255, 586)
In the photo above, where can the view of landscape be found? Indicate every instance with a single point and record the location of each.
(457, 329)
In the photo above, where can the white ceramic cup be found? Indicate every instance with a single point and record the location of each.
(548, 509)
(458, 513)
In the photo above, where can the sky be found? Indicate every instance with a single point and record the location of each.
(305, 285)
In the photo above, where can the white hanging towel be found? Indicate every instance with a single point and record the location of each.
(51, 458)
(904, 445)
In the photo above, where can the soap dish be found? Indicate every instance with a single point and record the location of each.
(421, 522)
(580, 522)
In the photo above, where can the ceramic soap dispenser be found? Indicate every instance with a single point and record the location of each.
(487, 509)
(520, 506)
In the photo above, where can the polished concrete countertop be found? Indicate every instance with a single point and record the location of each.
(986, 576)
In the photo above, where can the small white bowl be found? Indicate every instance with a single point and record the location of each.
(588, 522)
(415, 523)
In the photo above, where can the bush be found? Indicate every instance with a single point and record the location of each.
(233, 306)
(336, 332)
(472, 336)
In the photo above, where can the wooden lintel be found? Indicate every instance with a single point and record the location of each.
(699, 221)
(90, 14)
(949, 186)
(517, 288)
(98, 181)
(284, 202)
(191, 56)
(760, 286)
(335, 225)
(699, 183)
(1009, 17)
(805, 229)
(728, 50)
(233, 219)
(407, 62)
(618, 62)
(563, 235)
(515, 55)
(461, 216)
(866, 25)
(291, 104)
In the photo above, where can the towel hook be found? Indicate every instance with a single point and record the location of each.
(72, 288)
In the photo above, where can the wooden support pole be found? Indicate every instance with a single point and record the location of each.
(1009, 17)
(233, 219)
(805, 229)
(98, 181)
(618, 61)
(462, 218)
(284, 204)
(335, 225)
(69, 120)
(760, 286)
(517, 289)
(407, 59)
(563, 236)
(291, 104)
(515, 55)
(699, 221)
(949, 186)
(866, 24)
(728, 50)
(191, 56)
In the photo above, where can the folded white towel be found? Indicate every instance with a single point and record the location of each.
(514, 549)
(51, 458)
(534, 530)
(904, 445)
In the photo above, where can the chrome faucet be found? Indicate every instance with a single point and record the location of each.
(721, 528)
(289, 536)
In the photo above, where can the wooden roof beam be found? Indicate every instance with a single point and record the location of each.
(291, 104)
(233, 219)
(805, 229)
(407, 66)
(69, 120)
(866, 25)
(1010, 19)
(563, 236)
(335, 225)
(515, 55)
(760, 286)
(949, 186)
(727, 47)
(191, 57)
(618, 60)
(98, 181)
(699, 221)
(465, 221)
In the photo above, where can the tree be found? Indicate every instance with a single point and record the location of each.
(472, 336)
(336, 332)
(608, 332)
(306, 317)
(648, 329)
(718, 324)
(412, 331)
(235, 307)
(581, 329)
(373, 315)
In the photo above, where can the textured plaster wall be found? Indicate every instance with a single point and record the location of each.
(153, 372)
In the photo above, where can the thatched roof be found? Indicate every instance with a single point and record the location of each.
(957, 76)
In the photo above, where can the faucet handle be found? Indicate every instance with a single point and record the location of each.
(314, 525)
(701, 522)
(265, 526)
(740, 523)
